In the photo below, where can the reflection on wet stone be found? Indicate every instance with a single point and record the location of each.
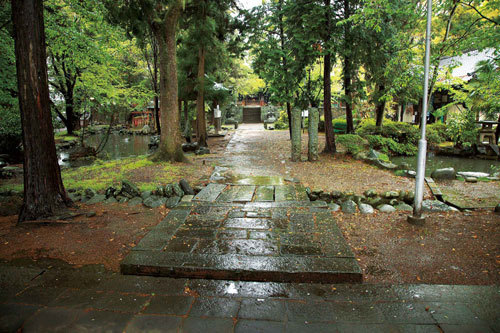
(259, 241)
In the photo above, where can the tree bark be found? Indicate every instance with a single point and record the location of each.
(44, 192)
(348, 99)
(347, 70)
(201, 125)
(187, 124)
(379, 109)
(170, 148)
(72, 121)
(157, 115)
(330, 146)
(289, 114)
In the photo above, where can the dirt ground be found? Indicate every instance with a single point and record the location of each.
(452, 248)
(103, 239)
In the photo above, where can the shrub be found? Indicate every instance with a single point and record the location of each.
(437, 133)
(352, 143)
(398, 131)
(390, 146)
(282, 122)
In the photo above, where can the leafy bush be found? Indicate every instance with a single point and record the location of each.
(398, 131)
(462, 127)
(390, 146)
(282, 122)
(352, 143)
(437, 133)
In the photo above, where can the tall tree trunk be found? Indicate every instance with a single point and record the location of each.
(418, 117)
(170, 148)
(348, 70)
(157, 115)
(347, 92)
(289, 114)
(379, 109)
(201, 125)
(44, 192)
(73, 121)
(330, 146)
(187, 123)
(285, 66)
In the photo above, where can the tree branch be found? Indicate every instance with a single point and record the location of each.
(480, 14)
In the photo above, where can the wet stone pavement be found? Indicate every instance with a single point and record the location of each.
(247, 232)
(34, 299)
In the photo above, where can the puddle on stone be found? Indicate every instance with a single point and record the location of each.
(255, 180)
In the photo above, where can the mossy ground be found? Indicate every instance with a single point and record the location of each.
(146, 174)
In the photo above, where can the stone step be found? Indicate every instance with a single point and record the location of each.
(288, 241)
(242, 268)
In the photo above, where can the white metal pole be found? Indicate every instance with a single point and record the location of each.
(422, 143)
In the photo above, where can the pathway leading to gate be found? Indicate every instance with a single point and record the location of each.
(249, 226)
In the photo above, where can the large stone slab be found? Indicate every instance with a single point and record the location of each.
(244, 268)
(264, 193)
(237, 194)
(260, 241)
(285, 193)
(210, 192)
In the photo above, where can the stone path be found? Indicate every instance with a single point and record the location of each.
(36, 299)
(251, 227)
(226, 234)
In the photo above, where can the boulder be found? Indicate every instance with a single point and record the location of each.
(122, 199)
(497, 209)
(391, 194)
(333, 207)
(376, 201)
(187, 198)
(317, 192)
(130, 189)
(172, 201)
(313, 197)
(404, 207)
(436, 206)
(371, 193)
(111, 192)
(325, 197)
(187, 147)
(394, 202)
(445, 173)
(386, 208)
(186, 187)
(365, 208)
(466, 174)
(111, 200)
(89, 193)
(471, 179)
(178, 192)
(145, 194)
(135, 201)
(202, 151)
(154, 201)
(349, 207)
(96, 198)
(409, 197)
(168, 190)
(75, 196)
